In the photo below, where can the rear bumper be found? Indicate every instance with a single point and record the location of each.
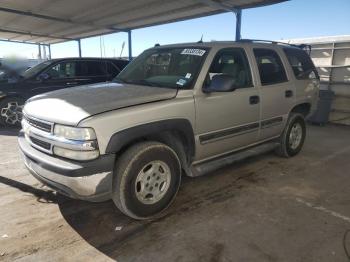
(91, 180)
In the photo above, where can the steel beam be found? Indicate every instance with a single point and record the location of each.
(79, 47)
(238, 24)
(17, 42)
(218, 5)
(130, 45)
(57, 19)
(14, 31)
(39, 47)
(49, 46)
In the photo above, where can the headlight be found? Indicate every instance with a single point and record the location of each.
(74, 133)
(78, 143)
(76, 155)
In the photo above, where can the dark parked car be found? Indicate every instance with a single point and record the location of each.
(47, 76)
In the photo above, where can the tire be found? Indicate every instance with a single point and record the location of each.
(11, 111)
(146, 179)
(290, 142)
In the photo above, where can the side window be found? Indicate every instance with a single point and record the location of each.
(301, 64)
(270, 66)
(62, 70)
(94, 68)
(232, 62)
(112, 70)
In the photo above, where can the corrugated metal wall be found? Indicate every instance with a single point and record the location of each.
(333, 63)
(331, 56)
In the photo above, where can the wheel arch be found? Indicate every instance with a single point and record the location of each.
(303, 108)
(176, 133)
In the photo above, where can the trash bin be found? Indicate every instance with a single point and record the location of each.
(323, 107)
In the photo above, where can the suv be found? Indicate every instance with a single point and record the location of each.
(176, 109)
(16, 87)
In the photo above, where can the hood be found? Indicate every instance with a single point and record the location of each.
(69, 106)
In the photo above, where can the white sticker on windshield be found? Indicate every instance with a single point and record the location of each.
(190, 51)
(188, 75)
(181, 82)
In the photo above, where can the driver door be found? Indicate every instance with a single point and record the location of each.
(226, 121)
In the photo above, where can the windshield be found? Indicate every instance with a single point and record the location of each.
(35, 69)
(170, 67)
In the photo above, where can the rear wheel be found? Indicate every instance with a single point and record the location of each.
(293, 137)
(11, 111)
(146, 180)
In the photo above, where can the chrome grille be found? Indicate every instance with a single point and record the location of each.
(42, 125)
(36, 132)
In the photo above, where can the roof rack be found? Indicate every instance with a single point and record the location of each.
(305, 47)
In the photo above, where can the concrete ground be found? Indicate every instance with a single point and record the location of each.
(263, 209)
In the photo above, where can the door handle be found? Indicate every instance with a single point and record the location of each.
(289, 93)
(253, 100)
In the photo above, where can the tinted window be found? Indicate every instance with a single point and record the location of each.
(97, 68)
(270, 66)
(112, 70)
(301, 64)
(120, 64)
(62, 70)
(232, 62)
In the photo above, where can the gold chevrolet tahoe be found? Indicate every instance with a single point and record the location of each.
(176, 109)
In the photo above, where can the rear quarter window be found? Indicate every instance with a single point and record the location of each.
(301, 63)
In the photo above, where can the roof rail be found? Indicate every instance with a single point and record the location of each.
(305, 47)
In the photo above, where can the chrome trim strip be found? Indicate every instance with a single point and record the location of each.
(26, 117)
(271, 122)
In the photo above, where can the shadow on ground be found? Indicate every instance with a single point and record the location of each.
(96, 223)
(5, 131)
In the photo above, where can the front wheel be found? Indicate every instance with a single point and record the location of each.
(11, 111)
(146, 180)
(293, 136)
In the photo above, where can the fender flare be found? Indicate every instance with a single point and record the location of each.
(125, 137)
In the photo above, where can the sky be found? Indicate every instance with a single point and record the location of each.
(293, 19)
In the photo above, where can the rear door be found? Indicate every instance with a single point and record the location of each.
(97, 71)
(226, 121)
(277, 92)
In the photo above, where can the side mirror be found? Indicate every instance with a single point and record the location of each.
(220, 83)
(43, 76)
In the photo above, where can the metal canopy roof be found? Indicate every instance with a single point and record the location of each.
(54, 21)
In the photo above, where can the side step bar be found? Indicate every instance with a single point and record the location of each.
(212, 165)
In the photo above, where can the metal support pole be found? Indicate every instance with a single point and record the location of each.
(79, 47)
(129, 45)
(39, 55)
(238, 13)
(49, 46)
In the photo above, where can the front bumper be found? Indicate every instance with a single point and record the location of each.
(91, 180)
